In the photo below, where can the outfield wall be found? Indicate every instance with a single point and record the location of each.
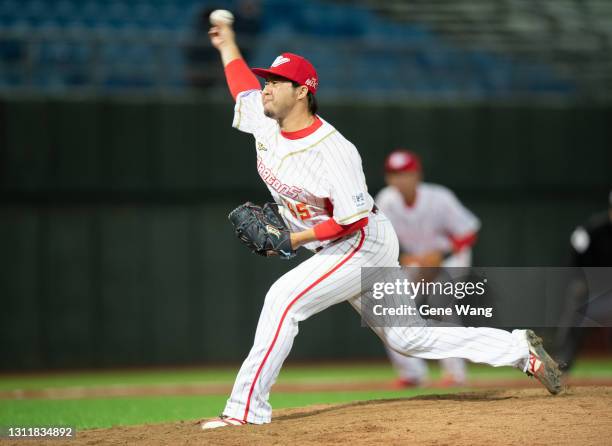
(116, 250)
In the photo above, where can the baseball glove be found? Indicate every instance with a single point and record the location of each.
(262, 230)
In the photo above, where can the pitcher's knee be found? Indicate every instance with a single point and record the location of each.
(278, 294)
(282, 304)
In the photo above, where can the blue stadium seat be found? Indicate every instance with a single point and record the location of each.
(421, 63)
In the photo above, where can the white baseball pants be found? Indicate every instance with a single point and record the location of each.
(331, 276)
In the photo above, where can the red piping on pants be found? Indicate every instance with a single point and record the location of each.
(280, 324)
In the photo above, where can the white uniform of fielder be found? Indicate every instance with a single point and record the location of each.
(429, 225)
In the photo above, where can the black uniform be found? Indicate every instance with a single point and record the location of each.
(591, 246)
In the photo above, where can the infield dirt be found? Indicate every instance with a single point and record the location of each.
(581, 415)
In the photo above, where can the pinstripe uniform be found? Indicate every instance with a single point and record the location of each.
(315, 178)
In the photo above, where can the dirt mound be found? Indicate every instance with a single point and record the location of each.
(581, 415)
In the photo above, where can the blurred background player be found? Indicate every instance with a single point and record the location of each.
(591, 246)
(434, 229)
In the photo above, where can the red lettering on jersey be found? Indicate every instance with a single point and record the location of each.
(294, 191)
(270, 179)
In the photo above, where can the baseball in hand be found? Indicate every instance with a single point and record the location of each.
(221, 16)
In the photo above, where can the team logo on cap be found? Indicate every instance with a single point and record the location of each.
(399, 159)
(279, 61)
(312, 82)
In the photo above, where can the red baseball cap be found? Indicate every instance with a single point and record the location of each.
(402, 160)
(292, 67)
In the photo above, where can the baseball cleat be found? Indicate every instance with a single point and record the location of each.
(406, 383)
(541, 365)
(222, 421)
(448, 381)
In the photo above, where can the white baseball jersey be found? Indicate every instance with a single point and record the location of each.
(312, 178)
(429, 223)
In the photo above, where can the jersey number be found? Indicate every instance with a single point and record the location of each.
(299, 210)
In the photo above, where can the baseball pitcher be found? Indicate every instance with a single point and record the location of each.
(321, 203)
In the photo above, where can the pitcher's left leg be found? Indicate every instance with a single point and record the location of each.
(323, 280)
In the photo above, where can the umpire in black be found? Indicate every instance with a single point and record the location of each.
(591, 246)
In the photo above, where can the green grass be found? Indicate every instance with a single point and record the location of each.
(290, 374)
(295, 374)
(105, 412)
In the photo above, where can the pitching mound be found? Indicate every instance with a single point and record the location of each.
(581, 415)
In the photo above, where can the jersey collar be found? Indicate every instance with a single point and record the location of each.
(305, 131)
(414, 203)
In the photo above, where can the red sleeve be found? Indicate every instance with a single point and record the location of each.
(463, 242)
(240, 77)
(329, 229)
